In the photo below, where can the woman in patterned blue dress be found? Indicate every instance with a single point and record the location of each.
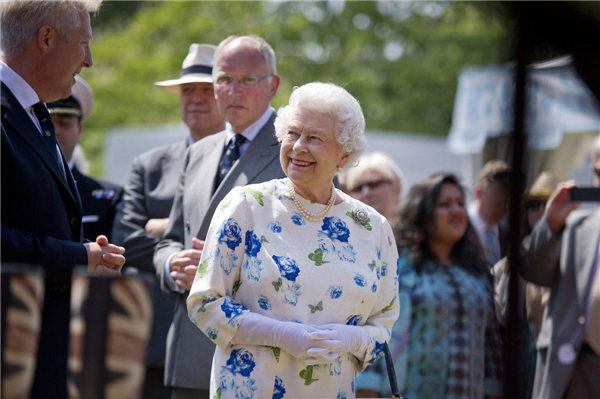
(446, 343)
(298, 283)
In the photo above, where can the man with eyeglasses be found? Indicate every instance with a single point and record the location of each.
(492, 192)
(245, 81)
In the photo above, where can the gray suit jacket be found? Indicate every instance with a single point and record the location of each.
(149, 194)
(564, 263)
(189, 352)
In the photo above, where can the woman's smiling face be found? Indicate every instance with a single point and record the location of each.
(450, 216)
(310, 153)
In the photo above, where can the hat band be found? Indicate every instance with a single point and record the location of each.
(64, 111)
(196, 69)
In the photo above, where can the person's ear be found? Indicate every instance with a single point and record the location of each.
(274, 85)
(343, 161)
(79, 130)
(478, 190)
(46, 37)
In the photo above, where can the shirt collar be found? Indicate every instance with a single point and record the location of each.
(251, 131)
(22, 91)
(478, 222)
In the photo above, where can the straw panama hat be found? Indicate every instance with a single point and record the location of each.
(196, 68)
(542, 187)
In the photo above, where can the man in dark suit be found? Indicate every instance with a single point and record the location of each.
(563, 253)
(245, 80)
(98, 197)
(143, 214)
(41, 209)
(490, 206)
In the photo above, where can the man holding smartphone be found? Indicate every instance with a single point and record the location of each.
(563, 252)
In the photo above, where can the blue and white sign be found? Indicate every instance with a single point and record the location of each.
(558, 102)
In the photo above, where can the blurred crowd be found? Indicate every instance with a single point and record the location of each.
(439, 268)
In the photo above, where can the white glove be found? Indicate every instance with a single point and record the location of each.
(293, 338)
(352, 339)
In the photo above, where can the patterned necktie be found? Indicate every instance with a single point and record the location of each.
(41, 112)
(231, 155)
(490, 246)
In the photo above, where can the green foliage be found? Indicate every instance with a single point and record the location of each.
(400, 59)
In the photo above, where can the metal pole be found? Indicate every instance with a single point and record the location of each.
(514, 387)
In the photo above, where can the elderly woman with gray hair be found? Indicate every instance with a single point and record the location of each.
(297, 285)
(377, 181)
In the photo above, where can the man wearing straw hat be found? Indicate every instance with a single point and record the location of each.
(98, 197)
(245, 152)
(143, 214)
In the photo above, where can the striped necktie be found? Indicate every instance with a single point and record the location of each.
(231, 155)
(41, 112)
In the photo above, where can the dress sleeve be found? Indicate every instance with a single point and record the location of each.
(386, 309)
(210, 304)
(405, 277)
(493, 353)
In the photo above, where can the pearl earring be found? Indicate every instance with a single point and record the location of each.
(340, 168)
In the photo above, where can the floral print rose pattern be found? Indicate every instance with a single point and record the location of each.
(262, 256)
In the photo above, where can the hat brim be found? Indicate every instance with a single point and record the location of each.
(172, 86)
(65, 111)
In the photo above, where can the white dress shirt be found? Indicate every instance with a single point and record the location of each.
(250, 132)
(481, 227)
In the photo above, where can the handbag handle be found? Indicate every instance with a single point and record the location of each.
(391, 372)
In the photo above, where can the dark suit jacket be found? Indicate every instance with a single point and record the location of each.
(189, 352)
(149, 194)
(99, 199)
(504, 238)
(564, 263)
(41, 225)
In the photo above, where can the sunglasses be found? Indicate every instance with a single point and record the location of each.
(534, 205)
(372, 185)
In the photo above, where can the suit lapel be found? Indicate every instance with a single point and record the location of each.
(22, 125)
(261, 152)
(205, 174)
(257, 156)
(264, 148)
(81, 186)
(586, 246)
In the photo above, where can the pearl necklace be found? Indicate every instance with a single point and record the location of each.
(312, 217)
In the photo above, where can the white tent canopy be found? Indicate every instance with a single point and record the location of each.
(558, 104)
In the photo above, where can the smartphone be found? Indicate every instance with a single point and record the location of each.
(585, 194)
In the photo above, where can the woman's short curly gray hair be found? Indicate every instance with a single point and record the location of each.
(337, 103)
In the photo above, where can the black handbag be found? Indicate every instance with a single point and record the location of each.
(391, 372)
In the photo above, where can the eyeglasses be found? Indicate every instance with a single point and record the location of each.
(534, 205)
(246, 81)
(372, 185)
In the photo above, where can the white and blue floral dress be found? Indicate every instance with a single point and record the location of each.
(262, 256)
